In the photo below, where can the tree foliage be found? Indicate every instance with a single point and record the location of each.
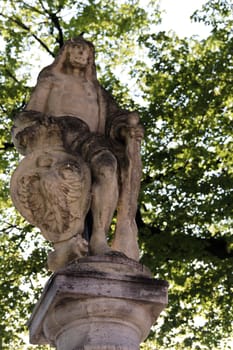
(183, 90)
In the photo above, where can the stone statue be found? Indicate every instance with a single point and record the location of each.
(82, 160)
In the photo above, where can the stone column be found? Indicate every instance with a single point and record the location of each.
(98, 303)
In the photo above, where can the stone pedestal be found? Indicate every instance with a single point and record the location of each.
(98, 303)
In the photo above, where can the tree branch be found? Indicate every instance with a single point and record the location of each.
(6, 146)
(3, 108)
(55, 20)
(43, 44)
(11, 75)
(32, 8)
(28, 29)
(217, 247)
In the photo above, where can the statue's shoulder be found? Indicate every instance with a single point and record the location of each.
(48, 74)
(48, 77)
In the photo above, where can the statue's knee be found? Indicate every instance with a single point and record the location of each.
(104, 164)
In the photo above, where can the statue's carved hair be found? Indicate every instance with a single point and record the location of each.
(60, 60)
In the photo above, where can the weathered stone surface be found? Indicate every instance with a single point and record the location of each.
(82, 156)
(82, 163)
(94, 305)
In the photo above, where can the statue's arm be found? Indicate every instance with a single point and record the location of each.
(40, 94)
(34, 113)
(126, 127)
(121, 124)
(36, 107)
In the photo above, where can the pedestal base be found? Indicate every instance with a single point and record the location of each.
(98, 303)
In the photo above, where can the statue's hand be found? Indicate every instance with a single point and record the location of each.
(24, 123)
(131, 129)
(27, 118)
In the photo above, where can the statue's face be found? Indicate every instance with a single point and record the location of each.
(78, 55)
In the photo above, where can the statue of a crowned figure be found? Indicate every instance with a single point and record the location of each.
(82, 161)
